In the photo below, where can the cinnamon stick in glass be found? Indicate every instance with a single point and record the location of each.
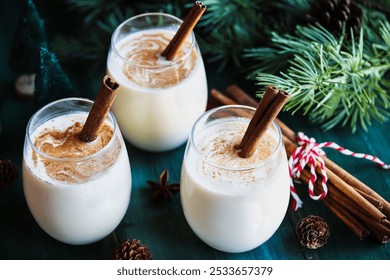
(100, 108)
(221, 97)
(264, 104)
(184, 30)
(265, 114)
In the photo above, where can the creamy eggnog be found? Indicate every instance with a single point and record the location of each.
(233, 204)
(159, 99)
(77, 192)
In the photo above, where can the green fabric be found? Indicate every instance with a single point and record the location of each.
(163, 227)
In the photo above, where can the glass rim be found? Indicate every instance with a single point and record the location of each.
(172, 63)
(81, 159)
(246, 168)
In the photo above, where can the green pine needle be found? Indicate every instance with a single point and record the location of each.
(228, 27)
(334, 81)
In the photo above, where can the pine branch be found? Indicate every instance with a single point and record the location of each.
(225, 22)
(334, 81)
(276, 57)
(229, 27)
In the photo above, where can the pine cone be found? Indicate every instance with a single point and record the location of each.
(131, 250)
(331, 14)
(8, 172)
(313, 232)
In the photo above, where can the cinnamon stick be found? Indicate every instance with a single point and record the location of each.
(286, 131)
(240, 96)
(211, 103)
(260, 112)
(386, 223)
(346, 212)
(378, 230)
(221, 97)
(104, 100)
(353, 207)
(184, 30)
(337, 201)
(376, 202)
(359, 229)
(344, 187)
(357, 184)
(340, 172)
(333, 194)
(273, 104)
(369, 209)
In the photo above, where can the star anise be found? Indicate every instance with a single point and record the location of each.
(163, 189)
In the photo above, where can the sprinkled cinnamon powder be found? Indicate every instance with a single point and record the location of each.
(146, 50)
(221, 150)
(67, 145)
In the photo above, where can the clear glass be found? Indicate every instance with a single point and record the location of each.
(90, 205)
(233, 204)
(159, 100)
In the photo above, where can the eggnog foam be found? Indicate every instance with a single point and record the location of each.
(146, 67)
(59, 139)
(234, 174)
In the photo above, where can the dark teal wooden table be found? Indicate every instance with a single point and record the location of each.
(163, 226)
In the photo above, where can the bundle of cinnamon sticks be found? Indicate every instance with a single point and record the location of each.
(359, 207)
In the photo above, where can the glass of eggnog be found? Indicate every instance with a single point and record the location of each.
(233, 204)
(159, 100)
(77, 192)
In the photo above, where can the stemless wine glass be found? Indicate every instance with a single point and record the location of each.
(159, 99)
(233, 204)
(75, 199)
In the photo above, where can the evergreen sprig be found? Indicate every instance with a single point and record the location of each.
(228, 27)
(226, 22)
(334, 81)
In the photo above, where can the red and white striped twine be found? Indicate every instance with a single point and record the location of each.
(310, 152)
